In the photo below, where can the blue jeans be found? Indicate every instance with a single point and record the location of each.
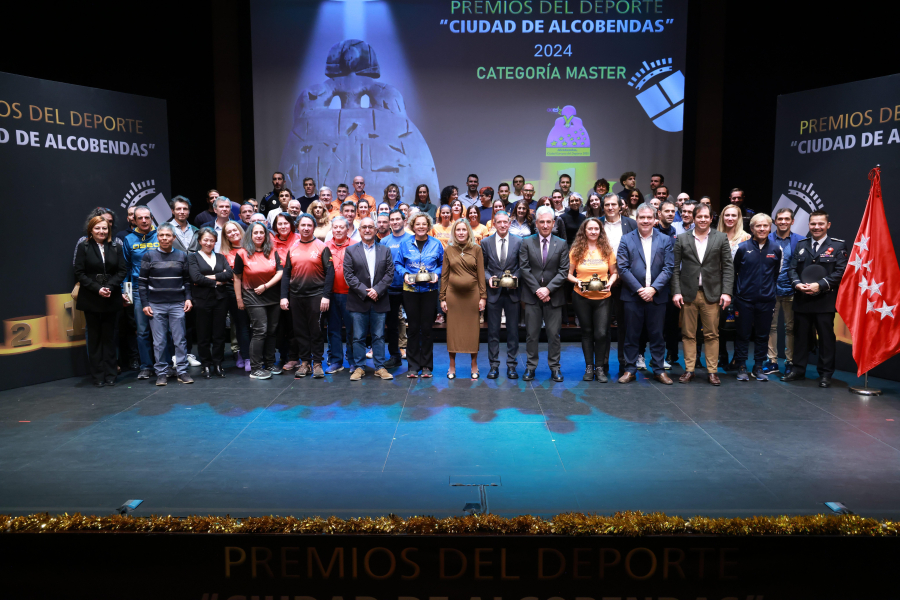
(362, 323)
(168, 318)
(339, 316)
(144, 340)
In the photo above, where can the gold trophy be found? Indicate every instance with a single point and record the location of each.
(507, 280)
(423, 276)
(594, 284)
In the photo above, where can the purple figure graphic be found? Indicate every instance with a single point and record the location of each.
(568, 131)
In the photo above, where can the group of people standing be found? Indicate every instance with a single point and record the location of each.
(279, 273)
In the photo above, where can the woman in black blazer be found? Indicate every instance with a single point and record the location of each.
(209, 272)
(100, 269)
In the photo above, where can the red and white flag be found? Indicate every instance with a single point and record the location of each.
(869, 295)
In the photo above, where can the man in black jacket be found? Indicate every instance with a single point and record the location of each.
(368, 271)
(814, 303)
(270, 200)
(164, 285)
(544, 266)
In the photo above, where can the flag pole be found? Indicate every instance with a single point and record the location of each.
(865, 390)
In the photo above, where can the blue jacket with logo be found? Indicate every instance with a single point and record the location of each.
(409, 260)
(756, 270)
(394, 242)
(136, 244)
(783, 287)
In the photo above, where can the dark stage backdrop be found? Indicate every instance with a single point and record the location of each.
(826, 142)
(428, 92)
(65, 149)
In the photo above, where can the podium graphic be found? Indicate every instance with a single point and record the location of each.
(61, 327)
(568, 136)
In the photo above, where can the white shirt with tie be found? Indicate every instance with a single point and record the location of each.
(647, 245)
(500, 243)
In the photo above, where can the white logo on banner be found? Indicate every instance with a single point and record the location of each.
(157, 203)
(663, 99)
(810, 202)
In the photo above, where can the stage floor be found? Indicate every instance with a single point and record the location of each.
(335, 447)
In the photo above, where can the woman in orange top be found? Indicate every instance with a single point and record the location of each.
(257, 271)
(473, 215)
(232, 240)
(441, 229)
(489, 229)
(456, 210)
(285, 239)
(363, 210)
(592, 255)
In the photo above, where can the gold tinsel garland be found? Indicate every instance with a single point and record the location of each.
(631, 524)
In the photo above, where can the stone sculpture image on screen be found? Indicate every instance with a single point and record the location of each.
(334, 143)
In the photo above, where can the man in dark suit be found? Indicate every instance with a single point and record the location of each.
(644, 262)
(701, 284)
(544, 266)
(501, 254)
(368, 271)
(814, 302)
(615, 226)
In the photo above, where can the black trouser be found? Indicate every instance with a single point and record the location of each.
(671, 331)
(617, 310)
(421, 309)
(593, 317)
(640, 314)
(552, 318)
(307, 319)
(752, 317)
(189, 331)
(263, 325)
(210, 324)
(725, 334)
(101, 343)
(494, 320)
(127, 333)
(392, 325)
(823, 324)
(285, 339)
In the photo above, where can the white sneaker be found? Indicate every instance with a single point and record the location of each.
(192, 360)
(666, 365)
(640, 363)
(369, 353)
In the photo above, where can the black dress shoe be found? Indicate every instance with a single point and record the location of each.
(393, 362)
(529, 375)
(110, 382)
(794, 376)
(218, 371)
(99, 383)
(511, 373)
(204, 372)
(556, 375)
(494, 373)
(824, 382)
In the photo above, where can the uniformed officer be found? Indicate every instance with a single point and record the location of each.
(757, 263)
(814, 302)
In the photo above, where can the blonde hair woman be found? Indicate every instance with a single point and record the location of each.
(323, 224)
(463, 294)
(731, 223)
(232, 241)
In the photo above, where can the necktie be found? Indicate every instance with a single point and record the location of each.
(502, 252)
(815, 247)
(544, 252)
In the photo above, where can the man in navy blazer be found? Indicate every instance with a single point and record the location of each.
(369, 272)
(645, 261)
(501, 254)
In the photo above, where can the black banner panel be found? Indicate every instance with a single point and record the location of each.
(826, 142)
(64, 150)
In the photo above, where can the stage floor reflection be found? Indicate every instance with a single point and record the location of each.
(335, 447)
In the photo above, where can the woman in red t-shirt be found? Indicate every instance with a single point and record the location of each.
(232, 240)
(285, 239)
(257, 271)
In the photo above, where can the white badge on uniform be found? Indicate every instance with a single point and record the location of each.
(801, 252)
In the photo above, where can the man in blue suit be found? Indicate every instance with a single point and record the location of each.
(645, 261)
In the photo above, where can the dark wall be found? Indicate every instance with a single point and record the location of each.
(152, 52)
(780, 49)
